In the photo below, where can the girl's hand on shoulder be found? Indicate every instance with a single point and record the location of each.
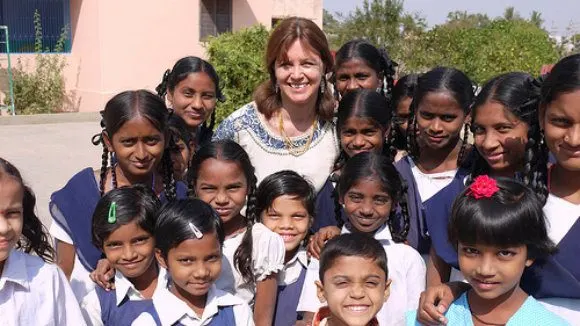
(435, 301)
(318, 240)
(104, 275)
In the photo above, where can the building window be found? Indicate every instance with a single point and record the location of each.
(215, 17)
(19, 17)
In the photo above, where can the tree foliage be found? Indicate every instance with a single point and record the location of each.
(41, 89)
(238, 58)
(482, 52)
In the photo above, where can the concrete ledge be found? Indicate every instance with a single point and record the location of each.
(50, 118)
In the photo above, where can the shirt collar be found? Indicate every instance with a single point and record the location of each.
(171, 309)
(15, 270)
(383, 233)
(124, 287)
(300, 256)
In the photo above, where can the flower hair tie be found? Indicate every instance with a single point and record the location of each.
(482, 187)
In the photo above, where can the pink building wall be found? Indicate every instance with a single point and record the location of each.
(119, 45)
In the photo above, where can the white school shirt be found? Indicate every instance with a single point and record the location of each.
(172, 310)
(80, 280)
(406, 270)
(268, 252)
(36, 293)
(429, 184)
(561, 216)
(91, 306)
(293, 268)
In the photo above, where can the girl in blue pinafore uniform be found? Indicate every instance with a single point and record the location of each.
(122, 228)
(436, 151)
(504, 116)
(498, 230)
(189, 236)
(134, 151)
(285, 204)
(555, 280)
(363, 121)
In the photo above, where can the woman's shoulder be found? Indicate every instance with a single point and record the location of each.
(261, 233)
(241, 119)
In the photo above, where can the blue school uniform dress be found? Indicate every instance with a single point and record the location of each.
(530, 313)
(325, 210)
(290, 282)
(120, 306)
(555, 281)
(221, 309)
(419, 237)
(72, 210)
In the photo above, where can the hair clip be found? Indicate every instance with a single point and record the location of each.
(195, 231)
(483, 187)
(112, 213)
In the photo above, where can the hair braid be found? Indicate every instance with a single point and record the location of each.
(463, 150)
(391, 141)
(403, 230)
(34, 234)
(161, 89)
(412, 145)
(337, 208)
(243, 255)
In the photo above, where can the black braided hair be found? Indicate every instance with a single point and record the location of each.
(34, 234)
(518, 93)
(161, 89)
(441, 79)
(228, 150)
(376, 59)
(364, 104)
(337, 208)
(464, 142)
(372, 165)
(390, 148)
(122, 108)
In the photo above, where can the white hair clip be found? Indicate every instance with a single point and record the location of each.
(195, 231)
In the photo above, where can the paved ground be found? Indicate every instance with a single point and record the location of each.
(48, 154)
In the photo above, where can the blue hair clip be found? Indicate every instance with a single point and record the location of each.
(112, 218)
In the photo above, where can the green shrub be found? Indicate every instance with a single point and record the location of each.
(41, 90)
(238, 58)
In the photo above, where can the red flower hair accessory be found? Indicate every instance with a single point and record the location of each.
(483, 187)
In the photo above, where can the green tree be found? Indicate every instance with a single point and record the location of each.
(462, 19)
(382, 22)
(502, 46)
(536, 19)
(238, 58)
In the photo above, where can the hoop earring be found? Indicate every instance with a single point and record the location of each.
(542, 137)
(277, 88)
(322, 86)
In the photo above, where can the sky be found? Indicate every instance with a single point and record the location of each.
(557, 14)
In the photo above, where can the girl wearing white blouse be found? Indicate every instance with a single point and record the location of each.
(370, 189)
(32, 291)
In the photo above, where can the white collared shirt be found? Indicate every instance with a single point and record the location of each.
(91, 306)
(406, 270)
(172, 310)
(293, 268)
(80, 280)
(33, 292)
(268, 252)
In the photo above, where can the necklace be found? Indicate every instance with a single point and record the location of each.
(290, 146)
(484, 322)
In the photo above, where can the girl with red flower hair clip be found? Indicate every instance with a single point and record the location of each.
(498, 230)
